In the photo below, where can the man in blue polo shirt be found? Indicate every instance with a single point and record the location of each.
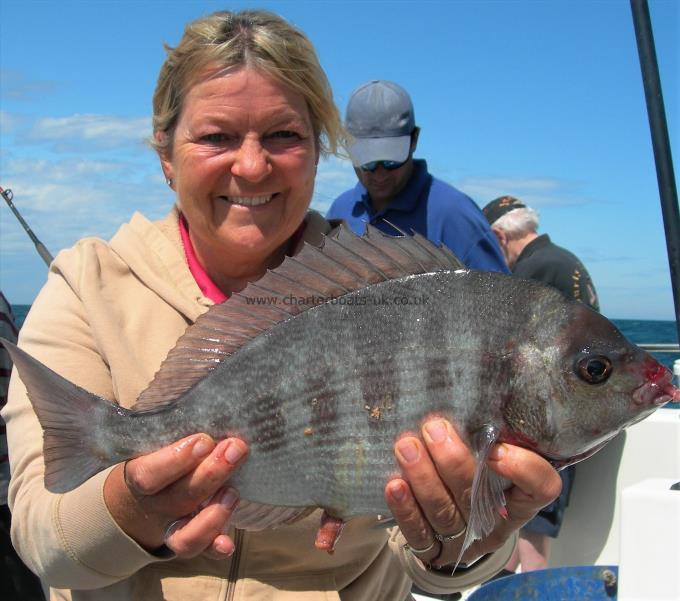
(395, 189)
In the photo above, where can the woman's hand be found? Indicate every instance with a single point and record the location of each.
(178, 496)
(434, 495)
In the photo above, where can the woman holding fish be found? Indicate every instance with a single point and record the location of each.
(242, 112)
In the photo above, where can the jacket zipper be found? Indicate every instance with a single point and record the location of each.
(235, 563)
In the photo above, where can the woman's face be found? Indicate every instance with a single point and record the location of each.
(243, 162)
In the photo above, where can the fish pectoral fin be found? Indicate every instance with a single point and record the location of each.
(487, 498)
(249, 515)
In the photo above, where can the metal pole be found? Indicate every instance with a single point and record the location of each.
(39, 246)
(660, 143)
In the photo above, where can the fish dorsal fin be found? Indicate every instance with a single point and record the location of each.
(343, 263)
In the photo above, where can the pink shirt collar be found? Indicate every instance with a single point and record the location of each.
(204, 281)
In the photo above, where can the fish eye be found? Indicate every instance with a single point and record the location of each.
(594, 370)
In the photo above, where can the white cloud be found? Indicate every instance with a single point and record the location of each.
(65, 200)
(535, 191)
(60, 214)
(65, 170)
(101, 131)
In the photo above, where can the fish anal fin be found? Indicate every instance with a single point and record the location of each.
(249, 515)
(487, 498)
(343, 263)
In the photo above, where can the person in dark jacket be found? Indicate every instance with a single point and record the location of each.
(534, 256)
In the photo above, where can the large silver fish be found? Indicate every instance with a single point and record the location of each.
(326, 360)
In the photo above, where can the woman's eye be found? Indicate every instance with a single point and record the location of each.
(285, 134)
(216, 138)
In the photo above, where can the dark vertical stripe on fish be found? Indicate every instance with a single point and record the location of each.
(323, 410)
(378, 378)
(439, 377)
(268, 424)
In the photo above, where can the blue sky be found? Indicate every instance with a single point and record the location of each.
(541, 100)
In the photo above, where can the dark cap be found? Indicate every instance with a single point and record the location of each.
(381, 120)
(500, 206)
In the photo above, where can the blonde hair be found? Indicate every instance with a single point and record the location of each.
(255, 38)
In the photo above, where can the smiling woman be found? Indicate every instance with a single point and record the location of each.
(242, 112)
(242, 159)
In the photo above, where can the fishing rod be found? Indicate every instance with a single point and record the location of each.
(8, 195)
(660, 143)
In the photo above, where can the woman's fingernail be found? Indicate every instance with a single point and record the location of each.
(397, 492)
(233, 453)
(229, 498)
(202, 447)
(497, 451)
(224, 545)
(408, 450)
(437, 431)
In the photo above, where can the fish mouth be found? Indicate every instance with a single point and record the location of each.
(657, 389)
(250, 201)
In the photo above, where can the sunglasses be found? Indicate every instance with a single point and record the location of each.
(387, 165)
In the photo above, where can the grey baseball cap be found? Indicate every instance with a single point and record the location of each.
(380, 119)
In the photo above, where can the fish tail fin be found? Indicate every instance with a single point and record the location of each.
(487, 498)
(71, 419)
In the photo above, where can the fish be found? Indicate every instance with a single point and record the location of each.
(323, 363)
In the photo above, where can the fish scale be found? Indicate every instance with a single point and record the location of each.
(321, 389)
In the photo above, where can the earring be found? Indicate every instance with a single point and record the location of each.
(168, 181)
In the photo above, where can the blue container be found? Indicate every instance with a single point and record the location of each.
(574, 583)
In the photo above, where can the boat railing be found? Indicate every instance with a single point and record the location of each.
(656, 347)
